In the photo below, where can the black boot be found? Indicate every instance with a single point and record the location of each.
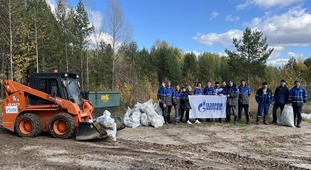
(257, 120)
(265, 120)
(235, 120)
(295, 122)
(298, 123)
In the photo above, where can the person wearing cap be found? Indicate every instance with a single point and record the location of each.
(297, 97)
(185, 104)
(233, 99)
(198, 90)
(209, 90)
(264, 97)
(176, 103)
(244, 93)
(280, 99)
(169, 91)
(219, 90)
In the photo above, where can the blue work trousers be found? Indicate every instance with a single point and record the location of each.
(263, 107)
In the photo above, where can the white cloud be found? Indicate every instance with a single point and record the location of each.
(295, 55)
(278, 62)
(277, 48)
(224, 39)
(232, 18)
(52, 4)
(266, 4)
(96, 38)
(214, 15)
(291, 28)
(96, 20)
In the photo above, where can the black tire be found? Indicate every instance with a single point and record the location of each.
(32, 121)
(67, 120)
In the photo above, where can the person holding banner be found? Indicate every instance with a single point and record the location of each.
(198, 90)
(219, 90)
(222, 91)
(176, 103)
(209, 90)
(185, 104)
(233, 99)
(244, 93)
(264, 97)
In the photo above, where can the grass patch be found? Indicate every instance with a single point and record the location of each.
(262, 149)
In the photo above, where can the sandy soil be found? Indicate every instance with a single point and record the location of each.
(205, 146)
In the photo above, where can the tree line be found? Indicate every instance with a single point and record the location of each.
(33, 38)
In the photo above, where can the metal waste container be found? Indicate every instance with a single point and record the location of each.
(103, 100)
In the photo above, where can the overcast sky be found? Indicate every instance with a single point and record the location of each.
(210, 25)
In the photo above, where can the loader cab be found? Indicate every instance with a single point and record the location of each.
(62, 85)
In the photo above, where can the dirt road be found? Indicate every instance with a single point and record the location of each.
(205, 146)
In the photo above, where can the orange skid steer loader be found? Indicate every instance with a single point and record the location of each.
(51, 103)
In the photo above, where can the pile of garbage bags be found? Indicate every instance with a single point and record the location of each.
(109, 124)
(146, 114)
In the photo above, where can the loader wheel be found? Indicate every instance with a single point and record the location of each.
(28, 125)
(62, 126)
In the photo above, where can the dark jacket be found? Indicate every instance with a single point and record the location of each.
(233, 96)
(197, 91)
(176, 99)
(185, 104)
(161, 95)
(281, 95)
(244, 93)
(209, 91)
(220, 90)
(297, 96)
(169, 96)
(262, 98)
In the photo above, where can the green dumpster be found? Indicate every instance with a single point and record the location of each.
(103, 100)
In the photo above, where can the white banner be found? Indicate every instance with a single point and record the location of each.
(207, 106)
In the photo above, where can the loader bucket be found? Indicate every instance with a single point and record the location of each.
(90, 130)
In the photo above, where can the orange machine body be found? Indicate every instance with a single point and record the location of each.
(17, 103)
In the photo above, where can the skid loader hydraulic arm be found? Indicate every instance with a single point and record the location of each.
(12, 87)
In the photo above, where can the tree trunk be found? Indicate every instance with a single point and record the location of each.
(11, 40)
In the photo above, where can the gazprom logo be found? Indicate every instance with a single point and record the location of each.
(204, 106)
(11, 109)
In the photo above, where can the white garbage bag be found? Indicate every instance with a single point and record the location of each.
(132, 119)
(109, 123)
(144, 120)
(157, 121)
(287, 116)
(157, 108)
(306, 116)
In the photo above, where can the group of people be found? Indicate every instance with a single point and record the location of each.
(237, 100)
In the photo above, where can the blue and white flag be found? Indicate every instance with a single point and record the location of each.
(208, 106)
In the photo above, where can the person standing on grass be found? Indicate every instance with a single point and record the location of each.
(185, 104)
(297, 97)
(233, 100)
(176, 103)
(222, 91)
(244, 93)
(209, 90)
(280, 99)
(169, 91)
(161, 98)
(264, 97)
(198, 90)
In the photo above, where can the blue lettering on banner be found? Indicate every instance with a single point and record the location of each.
(209, 106)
